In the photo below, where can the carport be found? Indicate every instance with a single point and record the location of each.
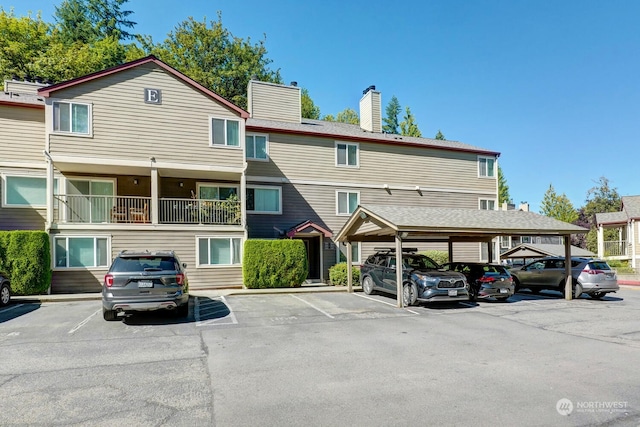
(398, 224)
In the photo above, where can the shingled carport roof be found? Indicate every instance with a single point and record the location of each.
(382, 222)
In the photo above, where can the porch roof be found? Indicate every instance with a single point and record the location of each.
(308, 227)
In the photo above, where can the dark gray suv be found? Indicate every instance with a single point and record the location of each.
(145, 281)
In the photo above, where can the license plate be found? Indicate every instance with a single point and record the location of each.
(453, 292)
(503, 291)
(145, 284)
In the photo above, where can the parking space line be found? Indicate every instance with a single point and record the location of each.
(313, 306)
(384, 302)
(200, 306)
(84, 322)
(13, 307)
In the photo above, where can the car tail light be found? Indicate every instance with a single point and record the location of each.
(487, 279)
(108, 280)
(180, 279)
(588, 271)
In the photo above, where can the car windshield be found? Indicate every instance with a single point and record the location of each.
(599, 265)
(420, 262)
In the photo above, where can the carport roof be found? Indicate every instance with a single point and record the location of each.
(533, 250)
(382, 222)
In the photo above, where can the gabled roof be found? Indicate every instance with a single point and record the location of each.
(308, 227)
(349, 132)
(382, 223)
(48, 90)
(630, 210)
(532, 250)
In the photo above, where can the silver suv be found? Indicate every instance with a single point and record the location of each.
(591, 276)
(145, 281)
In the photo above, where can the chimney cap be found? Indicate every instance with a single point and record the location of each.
(372, 87)
(294, 83)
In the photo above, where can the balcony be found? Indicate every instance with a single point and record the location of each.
(615, 248)
(79, 209)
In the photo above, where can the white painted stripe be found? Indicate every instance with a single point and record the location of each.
(384, 302)
(84, 322)
(217, 321)
(13, 307)
(313, 306)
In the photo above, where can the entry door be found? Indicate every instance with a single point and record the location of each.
(312, 244)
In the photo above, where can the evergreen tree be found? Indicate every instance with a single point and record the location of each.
(440, 136)
(408, 126)
(503, 188)
(601, 198)
(309, 109)
(558, 206)
(393, 110)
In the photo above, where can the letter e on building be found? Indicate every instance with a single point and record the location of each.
(152, 96)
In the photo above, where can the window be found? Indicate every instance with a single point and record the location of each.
(257, 147)
(90, 200)
(264, 200)
(81, 252)
(347, 202)
(71, 117)
(225, 132)
(219, 250)
(215, 192)
(504, 242)
(487, 167)
(26, 191)
(526, 239)
(487, 204)
(355, 253)
(346, 154)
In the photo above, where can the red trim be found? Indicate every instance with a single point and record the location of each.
(365, 139)
(21, 104)
(298, 228)
(47, 91)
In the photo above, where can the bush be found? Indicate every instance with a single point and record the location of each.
(441, 257)
(338, 274)
(274, 263)
(621, 267)
(25, 258)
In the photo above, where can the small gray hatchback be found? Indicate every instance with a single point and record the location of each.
(145, 281)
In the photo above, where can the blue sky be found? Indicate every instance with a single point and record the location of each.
(553, 85)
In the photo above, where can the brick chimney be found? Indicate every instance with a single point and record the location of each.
(371, 110)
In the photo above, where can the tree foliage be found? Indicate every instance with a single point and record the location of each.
(558, 206)
(309, 109)
(348, 115)
(408, 126)
(503, 188)
(393, 110)
(440, 136)
(22, 41)
(601, 198)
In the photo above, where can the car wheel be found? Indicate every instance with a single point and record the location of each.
(109, 315)
(473, 294)
(502, 299)
(367, 285)
(409, 294)
(597, 295)
(534, 290)
(561, 287)
(577, 291)
(516, 285)
(182, 310)
(5, 294)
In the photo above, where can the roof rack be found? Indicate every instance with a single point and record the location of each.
(394, 249)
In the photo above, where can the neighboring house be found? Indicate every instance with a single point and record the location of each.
(508, 243)
(142, 157)
(524, 252)
(626, 247)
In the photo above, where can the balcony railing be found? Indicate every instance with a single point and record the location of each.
(79, 209)
(615, 248)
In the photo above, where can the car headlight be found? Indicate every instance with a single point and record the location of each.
(427, 280)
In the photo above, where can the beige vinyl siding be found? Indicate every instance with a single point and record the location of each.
(274, 102)
(370, 112)
(306, 158)
(182, 242)
(16, 86)
(22, 134)
(124, 126)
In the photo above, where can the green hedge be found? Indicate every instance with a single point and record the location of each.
(441, 257)
(274, 263)
(338, 275)
(25, 258)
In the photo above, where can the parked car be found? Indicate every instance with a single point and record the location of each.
(485, 280)
(145, 281)
(591, 276)
(5, 290)
(422, 277)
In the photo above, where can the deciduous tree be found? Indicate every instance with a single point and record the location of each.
(600, 199)
(558, 206)
(348, 115)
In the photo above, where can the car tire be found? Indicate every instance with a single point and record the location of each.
(109, 315)
(473, 294)
(367, 285)
(596, 295)
(182, 310)
(5, 294)
(409, 294)
(577, 291)
(502, 299)
(516, 285)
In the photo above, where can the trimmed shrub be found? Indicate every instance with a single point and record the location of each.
(441, 257)
(274, 263)
(25, 258)
(338, 274)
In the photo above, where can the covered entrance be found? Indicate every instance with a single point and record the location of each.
(313, 236)
(401, 224)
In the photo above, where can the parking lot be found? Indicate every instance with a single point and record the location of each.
(325, 359)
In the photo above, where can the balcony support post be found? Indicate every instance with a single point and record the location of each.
(154, 195)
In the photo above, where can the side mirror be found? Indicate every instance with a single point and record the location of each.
(184, 265)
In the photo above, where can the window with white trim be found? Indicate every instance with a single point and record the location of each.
(264, 200)
(347, 154)
(257, 147)
(225, 132)
(26, 191)
(219, 251)
(208, 191)
(487, 204)
(71, 117)
(81, 252)
(487, 167)
(347, 202)
(355, 253)
(504, 242)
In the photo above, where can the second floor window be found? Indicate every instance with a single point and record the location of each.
(346, 154)
(487, 167)
(267, 200)
(71, 117)
(347, 202)
(257, 147)
(487, 204)
(225, 132)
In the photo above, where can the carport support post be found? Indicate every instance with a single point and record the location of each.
(399, 269)
(568, 293)
(349, 268)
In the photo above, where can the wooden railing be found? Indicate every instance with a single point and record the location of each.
(120, 209)
(615, 248)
